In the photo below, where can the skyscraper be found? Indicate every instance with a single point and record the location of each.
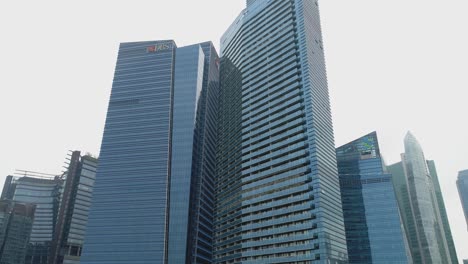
(44, 193)
(61, 209)
(278, 196)
(462, 184)
(153, 197)
(443, 211)
(16, 221)
(73, 210)
(419, 198)
(374, 230)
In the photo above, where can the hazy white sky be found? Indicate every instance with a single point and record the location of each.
(392, 66)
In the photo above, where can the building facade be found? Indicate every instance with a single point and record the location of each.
(421, 205)
(44, 193)
(374, 231)
(16, 221)
(154, 191)
(61, 209)
(278, 196)
(462, 184)
(75, 201)
(443, 212)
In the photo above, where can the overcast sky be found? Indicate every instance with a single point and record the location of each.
(393, 66)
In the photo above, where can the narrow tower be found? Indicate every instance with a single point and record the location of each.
(462, 184)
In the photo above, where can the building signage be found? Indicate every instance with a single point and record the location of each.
(158, 47)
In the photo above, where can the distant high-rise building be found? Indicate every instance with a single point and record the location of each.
(421, 204)
(61, 209)
(154, 190)
(16, 221)
(44, 192)
(374, 231)
(73, 210)
(278, 194)
(462, 184)
(443, 211)
(465, 261)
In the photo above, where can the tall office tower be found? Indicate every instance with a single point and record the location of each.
(44, 192)
(73, 210)
(153, 197)
(443, 211)
(418, 193)
(462, 184)
(465, 261)
(374, 231)
(16, 221)
(278, 196)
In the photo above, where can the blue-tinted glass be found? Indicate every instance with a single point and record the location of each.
(462, 184)
(44, 193)
(153, 197)
(372, 220)
(127, 223)
(187, 90)
(278, 197)
(16, 220)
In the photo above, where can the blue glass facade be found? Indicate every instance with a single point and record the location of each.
(462, 184)
(45, 194)
(128, 218)
(16, 221)
(278, 197)
(61, 210)
(189, 64)
(374, 231)
(204, 174)
(153, 196)
(75, 202)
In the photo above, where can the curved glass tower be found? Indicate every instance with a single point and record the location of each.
(278, 196)
(421, 204)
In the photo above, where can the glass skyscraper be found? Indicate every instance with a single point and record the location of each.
(45, 194)
(374, 231)
(421, 205)
(278, 196)
(443, 212)
(153, 197)
(462, 184)
(61, 209)
(75, 201)
(16, 221)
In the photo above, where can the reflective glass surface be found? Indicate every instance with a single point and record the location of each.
(462, 184)
(44, 193)
(187, 90)
(16, 221)
(278, 197)
(154, 190)
(421, 204)
(374, 232)
(128, 218)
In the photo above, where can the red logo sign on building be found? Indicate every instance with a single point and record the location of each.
(151, 49)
